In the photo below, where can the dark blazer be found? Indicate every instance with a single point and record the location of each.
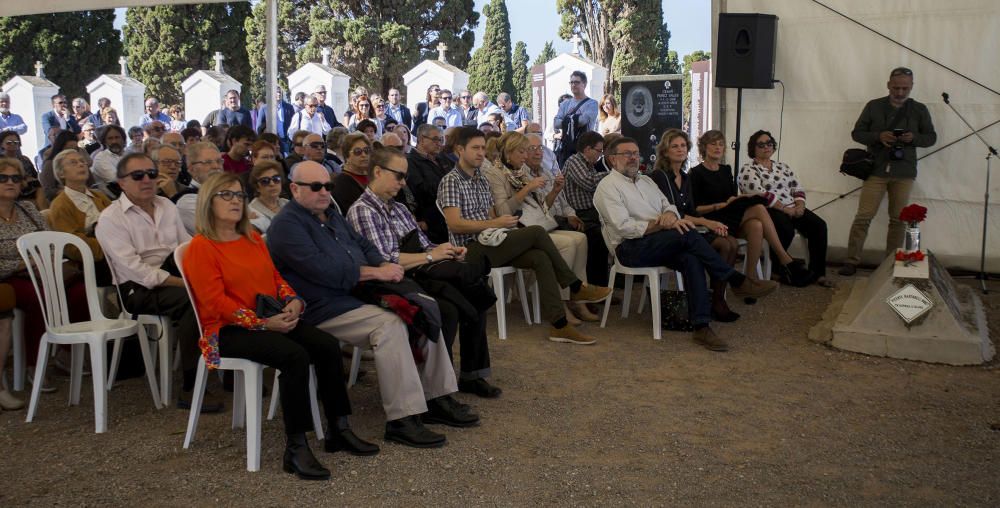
(329, 116)
(49, 120)
(404, 114)
(421, 117)
(321, 261)
(472, 117)
(422, 178)
(346, 190)
(287, 112)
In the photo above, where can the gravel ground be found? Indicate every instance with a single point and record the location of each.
(778, 420)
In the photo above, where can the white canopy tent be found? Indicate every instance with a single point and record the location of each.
(831, 66)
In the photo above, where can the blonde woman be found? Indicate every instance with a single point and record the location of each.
(609, 118)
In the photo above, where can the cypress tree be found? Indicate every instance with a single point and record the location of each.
(75, 47)
(490, 70)
(548, 53)
(522, 75)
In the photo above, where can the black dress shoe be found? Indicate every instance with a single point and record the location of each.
(348, 441)
(479, 387)
(448, 411)
(300, 461)
(411, 432)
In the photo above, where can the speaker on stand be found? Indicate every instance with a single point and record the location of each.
(745, 59)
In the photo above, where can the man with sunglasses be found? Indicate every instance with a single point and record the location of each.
(324, 259)
(60, 116)
(324, 109)
(203, 160)
(138, 233)
(10, 121)
(314, 149)
(643, 228)
(452, 114)
(892, 127)
(426, 167)
(309, 119)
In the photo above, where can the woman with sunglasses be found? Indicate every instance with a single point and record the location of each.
(18, 218)
(786, 201)
(351, 182)
(229, 269)
(10, 147)
(265, 179)
(363, 110)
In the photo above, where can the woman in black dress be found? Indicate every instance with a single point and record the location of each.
(715, 197)
(675, 184)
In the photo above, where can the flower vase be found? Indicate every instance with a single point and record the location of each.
(911, 238)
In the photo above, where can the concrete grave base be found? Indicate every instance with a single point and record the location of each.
(953, 331)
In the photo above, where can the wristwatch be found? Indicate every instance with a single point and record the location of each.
(430, 259)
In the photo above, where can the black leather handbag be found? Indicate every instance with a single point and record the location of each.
(857, 163)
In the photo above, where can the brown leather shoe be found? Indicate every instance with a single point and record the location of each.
(591, 294)
(755, 288)
(571, 335)
(712, 342)
(582, 313)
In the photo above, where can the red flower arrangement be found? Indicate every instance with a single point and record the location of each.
(912, 214)
(908, 258)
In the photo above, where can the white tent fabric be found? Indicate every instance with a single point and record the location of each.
(23, 7)
(831, 67)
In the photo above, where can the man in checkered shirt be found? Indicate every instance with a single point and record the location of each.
(583, 171)
(467, 204)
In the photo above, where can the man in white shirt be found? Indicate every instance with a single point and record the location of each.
(139, 233)
(10, 121)
(203, 160)
(452, 114)
(642, 228)
(309, 119)
(105, 167)
(485, 107)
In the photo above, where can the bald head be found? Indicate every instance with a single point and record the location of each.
(306, 175)
(390, 139)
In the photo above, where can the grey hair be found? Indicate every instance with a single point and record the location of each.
(4, 96)
(480, 95)
(426, 129)
(57, 163)
(503, 97)
(156, 153)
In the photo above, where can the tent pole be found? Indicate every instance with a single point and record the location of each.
(736, 140)
(272, 65)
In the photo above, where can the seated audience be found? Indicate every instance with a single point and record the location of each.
(266, 180)
(426, 167)
(203, 160)
(644, 229)
(76, 208)
(66, 140)
(786, 201)
(10, 147)
(583, 171)
(238, 141)
(348, 185)
(229, 269)
(473, 222)
(334, 139)
(168, 162)
(8, 402)
(106, 161)
(321, 256)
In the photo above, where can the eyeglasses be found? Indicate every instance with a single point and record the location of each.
(321, 92)
(218, 161)
(317, 145)
(364, 105)
(228, 195)
(169, 162)
(311, 106)
(11, 178)
(466, 97)
(576, 82)
(380, 106)
(316, 186)
(142, 173)
(268, 180)
(901, 71)
(630, 155)
(61, 103)
(12, 142)
(436, 139)
(534, 149)
(359, 151)
(400, 175)
(765, 144)
(448, 98)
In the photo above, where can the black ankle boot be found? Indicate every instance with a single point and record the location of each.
(337, 440)
(300, 460)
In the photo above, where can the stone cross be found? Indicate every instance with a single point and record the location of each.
(39, 69)
(326, 56)
(576, 40)
(442, 48)
(123, 62)
(218, 61)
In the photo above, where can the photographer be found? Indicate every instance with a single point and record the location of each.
(576, 115)
(891, 127)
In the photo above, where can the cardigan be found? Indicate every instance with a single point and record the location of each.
(66, 217)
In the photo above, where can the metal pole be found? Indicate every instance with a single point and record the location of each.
(986, 214)
(272, 65)
(736, 141)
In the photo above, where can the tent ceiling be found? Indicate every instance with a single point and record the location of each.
(24, 7)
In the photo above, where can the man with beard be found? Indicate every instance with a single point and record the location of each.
(106, 161)
(10, 121)
(233, 113)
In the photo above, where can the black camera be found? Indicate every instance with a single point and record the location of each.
(896, 152)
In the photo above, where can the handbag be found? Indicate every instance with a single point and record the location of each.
(857, 162)
(268, 306)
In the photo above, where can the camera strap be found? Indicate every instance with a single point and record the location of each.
(900, 115)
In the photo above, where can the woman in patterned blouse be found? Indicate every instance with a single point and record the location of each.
(786, 201)
(228, 267)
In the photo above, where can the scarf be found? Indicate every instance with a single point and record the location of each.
(518, 178)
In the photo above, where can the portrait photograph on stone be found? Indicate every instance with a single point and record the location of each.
(499, 253)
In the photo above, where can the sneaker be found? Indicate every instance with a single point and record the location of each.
(755, 288)
(571, 335)
(712, 342)
(591, 294)
(848, 269)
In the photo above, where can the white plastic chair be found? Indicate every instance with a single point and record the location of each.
(352, 378)
(247, 386)
(314, 404)
(44, 250)
(763, 264)
(652, 275)
(17, 330)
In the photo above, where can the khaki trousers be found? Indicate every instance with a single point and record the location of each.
(405, 386)
(872, 192)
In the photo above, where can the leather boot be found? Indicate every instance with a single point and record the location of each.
(300, 460)
(337, 440)
(720, 309)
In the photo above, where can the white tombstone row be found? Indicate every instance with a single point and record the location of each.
(205, 90)
(433, 72)
(309, 76)
(557, 74)
(31, 97)
(127, 95)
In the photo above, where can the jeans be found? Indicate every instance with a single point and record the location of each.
(687, 253)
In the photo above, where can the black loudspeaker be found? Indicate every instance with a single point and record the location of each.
(745, 52)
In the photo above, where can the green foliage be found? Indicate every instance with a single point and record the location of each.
(490, 70)
(167, 43)
(522, 75)
(293, 33)
(667, 62)
(75, 47)
(548, 53)
(697, 56)
(377, 41)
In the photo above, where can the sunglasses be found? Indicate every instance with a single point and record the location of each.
(317, 145)
(398, 174)
(359, 151)
(139, 175)
(267, 180)
(316, 186)
(12, 142)
(765, 144)
(228, 195)
(444, 98)
(466, 96)
(11, 178)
